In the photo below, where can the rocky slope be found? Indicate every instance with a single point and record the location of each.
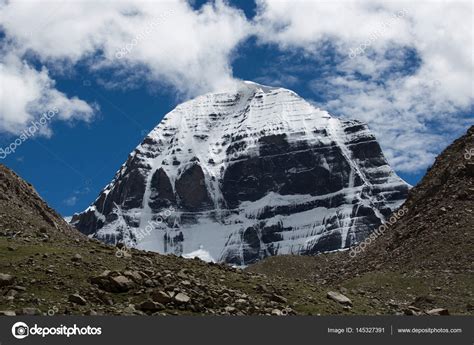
(236, 177)
(427, 251)
(48, 267)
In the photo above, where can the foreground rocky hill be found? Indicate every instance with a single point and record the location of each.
(425, 256)
(48, 267)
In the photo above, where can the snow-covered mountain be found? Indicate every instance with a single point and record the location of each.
(238, 176)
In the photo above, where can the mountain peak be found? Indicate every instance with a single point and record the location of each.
(250, 173)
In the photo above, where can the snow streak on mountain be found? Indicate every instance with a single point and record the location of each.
(235, 177)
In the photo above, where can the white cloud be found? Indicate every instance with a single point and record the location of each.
(188, 50)
(25, 94)
(169, 44)
(71, 201)
(414, 116)
(177, 47)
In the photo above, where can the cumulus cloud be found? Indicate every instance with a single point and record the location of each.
(413, 114)
(186, 49)
(413, 111)
(163, 42)
(26, 94)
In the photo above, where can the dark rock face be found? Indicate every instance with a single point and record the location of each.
(239, 177)
(162, 194)
(284, 169)
(191, 189)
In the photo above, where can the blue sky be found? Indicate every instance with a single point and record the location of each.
(414, 104)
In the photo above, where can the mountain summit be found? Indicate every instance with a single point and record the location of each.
(238, 176)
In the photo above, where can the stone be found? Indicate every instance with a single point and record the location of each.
(277, 312)
(438, 311)
(130, 309)
(77, 299)
(411, 310)
(151, 306)
(339, 298)
(161, 297)
(186, 283)
(112, 284)
(76, 258)
(134, 275)
(182, 298)
(30, 311)
(6, 279)
(241, 301)
(11, 293)
(279, 299)
(121, 284)
(230, 309)
(7, 313)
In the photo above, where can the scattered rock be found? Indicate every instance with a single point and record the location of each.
(151, 306)
(121, 284)
(76, 258)
(112, 284)
(422, 301)
(438, 311)
(182, 298)
(7, 313)
(277, 312)
(130, 309)
(279, 299)
(78, 299)
(230, 309)
(29, 311)
(134, 275)
(6, 279)
(241, 301)
(339, 298)
(11, 293)
(161, 297)
(412, 310)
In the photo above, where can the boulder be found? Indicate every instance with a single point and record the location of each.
(339, 298)
(151, 306)
(6, 279)
(438, 311)
(109, 283)
(279, 299)
(161, 297)
(121, 284)
(77, 299)
(182, 298)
